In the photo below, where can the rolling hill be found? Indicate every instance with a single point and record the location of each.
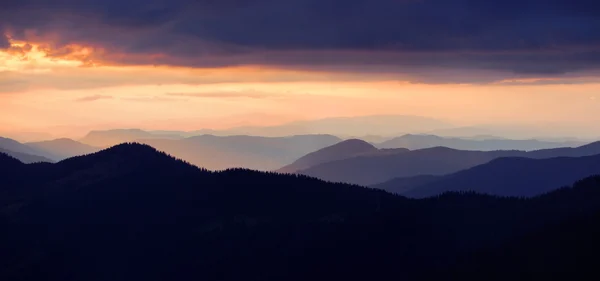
(414, 142)
(517, 177)
(25, 158)
(339, 151)
(259, 153)
(63, 148)
(16, 147)
(131, 212)
(108, 138)
(437, 161)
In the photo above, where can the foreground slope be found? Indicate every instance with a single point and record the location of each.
(133, 213)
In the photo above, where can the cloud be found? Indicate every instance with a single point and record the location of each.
(4, 43)
(523, 37)
(227, 94)
(93, 98)
(150, 99)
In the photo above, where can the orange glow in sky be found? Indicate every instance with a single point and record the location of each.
(72, 93)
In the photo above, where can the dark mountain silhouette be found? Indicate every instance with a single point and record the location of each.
(25, 158)
(404, 185)
(414, 142)
(9, 162)
(437, 161)
(63, 148)
(519, 177)
(133, 213)
(339, 151)
(562, 251)
(259, 153)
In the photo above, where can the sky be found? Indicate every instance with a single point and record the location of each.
(68, 66)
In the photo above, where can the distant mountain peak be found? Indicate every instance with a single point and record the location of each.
(339, 151)
(353, 143)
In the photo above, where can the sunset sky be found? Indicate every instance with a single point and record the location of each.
(75, 65)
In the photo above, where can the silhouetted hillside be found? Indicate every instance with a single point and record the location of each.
(520, 177)
(133, 213)
(414, 142)
(403, 185)
(25, 158)
(63, 148)
(342, 150)
(435, 161)
(259, 153)
(562, 251)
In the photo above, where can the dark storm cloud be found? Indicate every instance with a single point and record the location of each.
(4, 42)
(528, 37)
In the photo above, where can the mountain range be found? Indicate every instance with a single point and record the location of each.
(24, 157)
(63, 148)
(515, 177)
(258, 153)
(131, 212)
(437, 161)
(414, 142)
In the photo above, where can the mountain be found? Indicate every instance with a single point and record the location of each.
(132, 213)
(339, 151)
(584, 150)
(517, 177)
(373, 169)
(259, 153)
(16, 147)
(414, 142)
(23, 157)
(63, 148)
(339, 126)
(437, 161)
(112, 137)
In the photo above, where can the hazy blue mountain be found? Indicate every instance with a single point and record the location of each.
(24, 157)
(17, 147)
(131, 212)
(519, 177)
(376, 125)
(550, 132)
(437, 161)
(339, 151)
(584, 150)
(112, 137)
(259, 153)
(368, 170)
(63, 148)
(414, 142)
